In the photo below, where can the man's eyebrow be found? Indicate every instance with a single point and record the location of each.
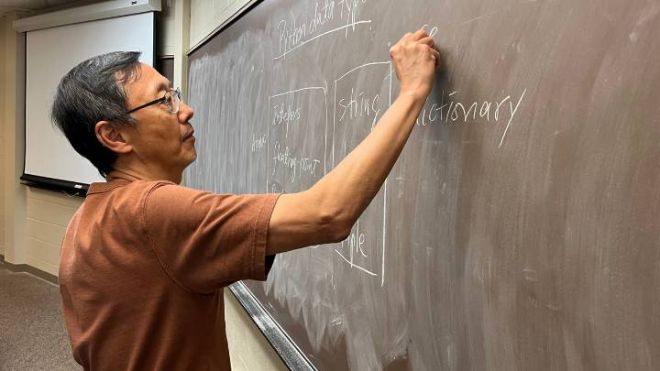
(162, 86)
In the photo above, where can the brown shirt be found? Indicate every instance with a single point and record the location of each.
(142, 268)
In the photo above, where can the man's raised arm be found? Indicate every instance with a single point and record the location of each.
(327, 211)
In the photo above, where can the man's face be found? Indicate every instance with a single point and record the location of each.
(160, 139)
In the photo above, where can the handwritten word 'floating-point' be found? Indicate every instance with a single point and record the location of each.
(296, 166)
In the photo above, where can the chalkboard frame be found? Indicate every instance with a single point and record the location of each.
(285, 348)
(249, 5)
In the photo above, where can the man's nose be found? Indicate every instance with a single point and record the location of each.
(185, 113)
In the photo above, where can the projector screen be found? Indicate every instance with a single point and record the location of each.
(50, 53)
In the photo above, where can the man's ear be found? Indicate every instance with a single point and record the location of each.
(111, 137)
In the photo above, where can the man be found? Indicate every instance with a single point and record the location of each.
(144, 260)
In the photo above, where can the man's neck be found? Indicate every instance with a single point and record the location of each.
(143, 174)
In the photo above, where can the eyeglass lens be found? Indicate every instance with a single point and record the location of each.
(174, 100)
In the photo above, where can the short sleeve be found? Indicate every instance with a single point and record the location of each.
(206, 241)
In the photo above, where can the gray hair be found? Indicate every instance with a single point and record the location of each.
(93, 91)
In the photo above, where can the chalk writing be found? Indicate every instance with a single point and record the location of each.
(349, 10)
(355, 241)
(285, 113)
(257, 143)
(298, 32)
(282, 157)
(360, 105)
(363, 251)
(359, 246)
(275, 187)
(451, 110)
(431, 30)
(513, 112)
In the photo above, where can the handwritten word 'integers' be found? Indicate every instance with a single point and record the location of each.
(451, 110)
(258, 143)
(282, 157)
(359, 105)
(285, 114)
(301, 30)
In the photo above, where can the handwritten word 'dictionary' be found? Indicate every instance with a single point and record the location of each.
(451, 110)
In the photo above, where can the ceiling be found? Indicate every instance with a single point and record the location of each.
(38, 6)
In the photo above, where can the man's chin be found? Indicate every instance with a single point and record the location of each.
(192, 159)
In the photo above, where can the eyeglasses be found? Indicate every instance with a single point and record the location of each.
(172, 99)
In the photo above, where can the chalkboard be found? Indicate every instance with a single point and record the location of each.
(520, 228)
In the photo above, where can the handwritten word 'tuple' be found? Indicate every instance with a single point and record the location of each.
(356, 241)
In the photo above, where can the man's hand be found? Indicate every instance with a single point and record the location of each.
(415, 59)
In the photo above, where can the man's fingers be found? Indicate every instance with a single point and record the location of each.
(407, 36)
(436, 57)
(428, 40)
(419, 34)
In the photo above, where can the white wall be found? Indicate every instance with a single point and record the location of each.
(207, 15)
(248, 348)
(47, 215)
(11, 118)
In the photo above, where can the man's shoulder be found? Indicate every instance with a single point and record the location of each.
(124, 186)
(122, 197)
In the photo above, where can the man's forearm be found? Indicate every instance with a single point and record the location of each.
(351, 185)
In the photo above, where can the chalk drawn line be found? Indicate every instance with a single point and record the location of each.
(298, 90)
(321, 35)
(511, 119)
(324, 89)
(360, 67)
(334, 122)
(353, 265)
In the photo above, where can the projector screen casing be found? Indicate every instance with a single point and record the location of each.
(50, 160)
